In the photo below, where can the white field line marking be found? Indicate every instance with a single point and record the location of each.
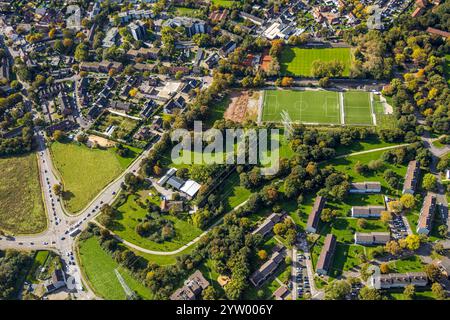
(374, 117)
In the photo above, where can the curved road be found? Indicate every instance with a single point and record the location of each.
(56, 237)
(60, 223)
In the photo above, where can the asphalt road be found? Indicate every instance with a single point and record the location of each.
(60, 222)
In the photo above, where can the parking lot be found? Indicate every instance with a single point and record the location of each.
(398, 227)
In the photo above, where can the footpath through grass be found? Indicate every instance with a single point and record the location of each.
(85, 171)
(131, 213)
(21, 206)
(98, 267)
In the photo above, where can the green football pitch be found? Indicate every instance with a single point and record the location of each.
(317, 107)
(357, 108)
(298, 61)
(302, 106)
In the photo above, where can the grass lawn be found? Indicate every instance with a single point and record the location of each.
(224, 3)
(373, 142)
(345, 258)
(346, 165)
(217, 111)
(357, 108)
(160, 259)
(298, 61)
(98, 267)
(410, 264)
(302, 106)
(40, 259)
(233, 194)
(21, 205)
(397, 294)
(129, 215)
(85, 172)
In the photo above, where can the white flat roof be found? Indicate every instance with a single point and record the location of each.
(190, 188)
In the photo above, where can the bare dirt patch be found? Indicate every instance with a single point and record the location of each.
(102, 142)
(243, 106)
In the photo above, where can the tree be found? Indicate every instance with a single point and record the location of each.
(324, 82)
(409, 292)
(367, 293)
(395, 206)
(57, 189)
(384, 268)
(433, 272)
(287, 82)
(81, 52)
(443, 230)
(262, 254)
(407, 200)
(386, 216)
(429, 182)
(209, 293)
(412, 242)
(58, 135)
(438, 292)
(393, 248)
(328, 215)
(361, 223)
(337, 290)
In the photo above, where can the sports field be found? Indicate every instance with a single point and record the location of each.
(98, 267)
(298, 61)
(302, 106)
(357, 108)
(317, 107)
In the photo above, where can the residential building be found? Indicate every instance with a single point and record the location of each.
(254, 19)
(411, 177)
(326, 255)
(57, 281)
(282, 293)
(111, 37)
(266, 227)
(227, 49)
(218, 16)
(372, 238)
(426, 217)
(367, 212)
(401, 280)
(192, 288)
(146, 53)
(191, 26)
(438, 32)
(137, 30)
(314, 216)
(365, 187)
(267, 269)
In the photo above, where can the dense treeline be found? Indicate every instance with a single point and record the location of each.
(12, 266)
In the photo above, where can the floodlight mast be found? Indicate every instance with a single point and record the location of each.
(287, 123)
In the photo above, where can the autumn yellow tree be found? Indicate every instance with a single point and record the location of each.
(262, 254)
(287, 82)
(407, 200)
(384, 268)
